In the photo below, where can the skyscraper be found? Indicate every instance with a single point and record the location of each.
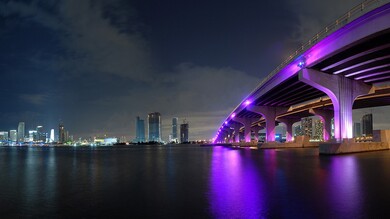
(51, 135)
(367, 125)
(174, 129)
(61, 133)
(21, 132)
(307, 126)
(139, 130)
(13, 135)
(40, 134)
(184, 132)
(357, 131)
(154, 127)
(318, 130)
(4, 136)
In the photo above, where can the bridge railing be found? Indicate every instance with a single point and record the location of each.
(355, 12)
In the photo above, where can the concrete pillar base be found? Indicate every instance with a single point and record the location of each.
(351, 147)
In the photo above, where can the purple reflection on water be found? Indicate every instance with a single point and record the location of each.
(346, 195)
(236, 188)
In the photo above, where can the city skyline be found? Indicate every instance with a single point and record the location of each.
(122, 60)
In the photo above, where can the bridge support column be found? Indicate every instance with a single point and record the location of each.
(236, 132)
(256, 130)
(326, 117)
(289, 123)
(342, 91)
(247, 122)
(269, 113)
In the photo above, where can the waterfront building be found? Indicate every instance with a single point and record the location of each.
(298, 130)
(13, 135)
(139, 130)
(174, 130)
(41, 136)
(367, 125)
(21, 132)
(357, 130)
(32, 136)
(51, 135)
(61, 133)
(4, 136)
(318, 130)
(154, 127)
(184, 132)
(307, 126)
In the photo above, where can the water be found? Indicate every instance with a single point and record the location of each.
(191, 182)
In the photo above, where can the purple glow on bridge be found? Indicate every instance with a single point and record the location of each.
(247, 102)
(233, 115)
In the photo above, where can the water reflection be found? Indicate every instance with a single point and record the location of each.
(344, 184)
(236, 188)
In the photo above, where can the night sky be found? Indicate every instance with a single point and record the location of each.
(96, 65)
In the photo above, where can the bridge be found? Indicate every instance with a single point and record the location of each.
(344, 66)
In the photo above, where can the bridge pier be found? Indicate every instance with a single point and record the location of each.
(247, 122)
(326, 117)
(342, 91)
(256, 130)
(269, 113)
(236, 128)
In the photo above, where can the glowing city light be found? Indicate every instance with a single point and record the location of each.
(226, 122)
(247, 102)
(233, 115)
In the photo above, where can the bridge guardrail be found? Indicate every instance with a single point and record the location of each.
(351, 15)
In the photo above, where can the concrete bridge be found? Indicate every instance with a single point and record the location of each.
(344, 64)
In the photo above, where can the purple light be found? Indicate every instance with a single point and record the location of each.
(247, 102)
(226, 122)
(233, 115)
(301, 64)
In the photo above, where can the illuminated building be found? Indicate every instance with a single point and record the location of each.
(4, 136)
(298, 130)
(32, 136)
(13, 135)
(21, 132)
(367, 125)
(139, 130)
(174, 129)
(357, 131)
(307, 126)
(61, 133)
(184, 132)
(154, 127)
(41, 136)
(318, 130)
(51, 135)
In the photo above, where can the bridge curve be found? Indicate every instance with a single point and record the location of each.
(344, 61)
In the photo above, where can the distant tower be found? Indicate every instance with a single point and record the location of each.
(154, 127)
(40, 134)
(184, 132)
(139, 130)
(21, 132)
(13, 135)
(61, 133)
(51, 135)
(174, 128)
(357, 131)
(367, 125)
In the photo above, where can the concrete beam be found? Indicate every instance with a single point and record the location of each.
(342, 91)
(269, 114)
